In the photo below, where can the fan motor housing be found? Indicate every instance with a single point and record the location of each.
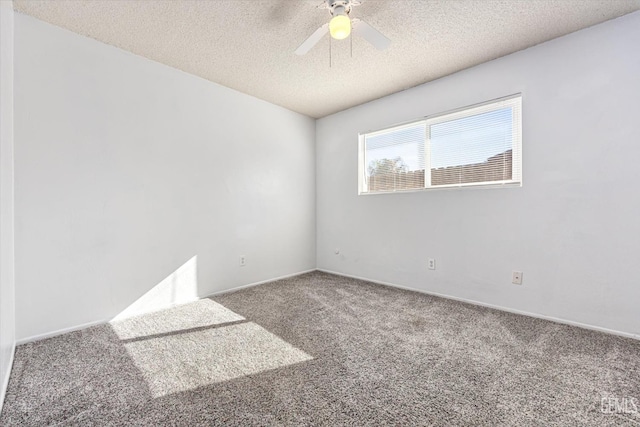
(339, 7)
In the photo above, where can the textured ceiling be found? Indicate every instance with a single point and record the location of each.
(249, 45)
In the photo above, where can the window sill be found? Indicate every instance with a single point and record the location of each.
(486, 186)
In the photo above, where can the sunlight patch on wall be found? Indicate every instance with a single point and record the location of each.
(179, 287)
(184, 361)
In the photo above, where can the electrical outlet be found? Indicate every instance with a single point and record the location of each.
(517, 278)
(432, 264)
(243, 260)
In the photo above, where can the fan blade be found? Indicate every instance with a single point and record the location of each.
(370, 34)
(312, 40)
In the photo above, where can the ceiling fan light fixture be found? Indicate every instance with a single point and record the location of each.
(340, 26)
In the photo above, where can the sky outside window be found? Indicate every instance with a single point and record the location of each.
(471, 139)
(463, 141)
(406, 143)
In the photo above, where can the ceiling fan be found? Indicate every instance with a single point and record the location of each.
(341, 25)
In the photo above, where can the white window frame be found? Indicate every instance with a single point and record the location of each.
(514, 100)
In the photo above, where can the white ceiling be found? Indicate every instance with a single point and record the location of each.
(248, 45)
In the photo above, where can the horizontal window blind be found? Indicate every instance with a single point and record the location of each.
(394, 158)
(479, 145)
(476, 145)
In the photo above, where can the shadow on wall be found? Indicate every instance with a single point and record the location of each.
(179, 287)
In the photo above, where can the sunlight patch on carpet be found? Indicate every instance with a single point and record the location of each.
(180, 362)
(202, 313)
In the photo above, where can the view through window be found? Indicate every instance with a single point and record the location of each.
(479, 145)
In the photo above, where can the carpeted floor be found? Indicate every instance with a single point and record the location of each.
(319, 349)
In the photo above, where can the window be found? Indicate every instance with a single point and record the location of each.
(478, 145)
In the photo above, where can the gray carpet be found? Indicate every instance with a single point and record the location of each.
(319, 349)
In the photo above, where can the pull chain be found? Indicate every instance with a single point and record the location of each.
(351, 43)
(330, 50)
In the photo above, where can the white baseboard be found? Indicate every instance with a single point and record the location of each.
(250, 285)
(497, 307)
(61, 331)
(5, 381)
(393, 285)
(103, 321)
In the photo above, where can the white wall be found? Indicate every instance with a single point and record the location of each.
(574, 226)
(127, 170)
(7, 291)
